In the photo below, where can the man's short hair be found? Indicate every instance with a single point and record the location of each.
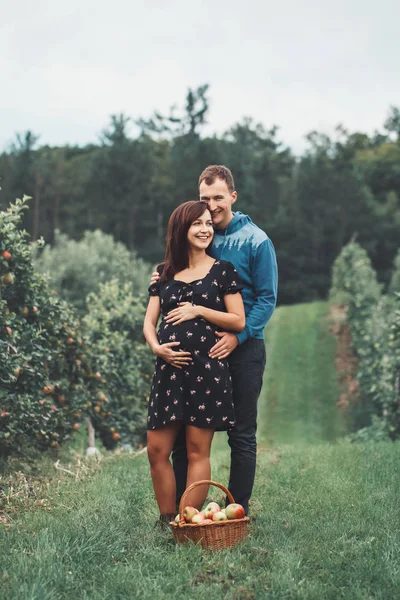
(213, 172)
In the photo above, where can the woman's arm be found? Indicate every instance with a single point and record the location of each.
(178, 358)
(234, 319)
(150, 322)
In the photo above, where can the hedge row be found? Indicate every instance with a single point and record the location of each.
(374, 321)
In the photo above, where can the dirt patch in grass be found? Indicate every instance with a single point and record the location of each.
(345, 361)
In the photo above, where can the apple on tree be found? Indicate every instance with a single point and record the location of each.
(7, 279)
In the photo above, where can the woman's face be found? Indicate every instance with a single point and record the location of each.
(201, 232)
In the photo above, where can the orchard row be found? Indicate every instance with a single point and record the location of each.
(374, 321)
(56, 368)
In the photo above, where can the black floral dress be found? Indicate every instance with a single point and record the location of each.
(201, 393)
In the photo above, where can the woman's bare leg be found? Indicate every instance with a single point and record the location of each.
(198, 444)
(159, 447)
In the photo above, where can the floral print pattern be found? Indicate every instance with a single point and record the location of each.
(201, 393)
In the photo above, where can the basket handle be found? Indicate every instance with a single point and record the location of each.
(194, 485)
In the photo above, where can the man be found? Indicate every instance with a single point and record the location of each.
(250, 250)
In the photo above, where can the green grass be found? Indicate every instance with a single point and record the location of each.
(326, 513)
(327, 526)
(300, 384)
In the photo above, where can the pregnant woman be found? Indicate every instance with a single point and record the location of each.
(196, 296)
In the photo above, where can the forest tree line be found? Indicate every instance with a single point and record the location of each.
(341, 188)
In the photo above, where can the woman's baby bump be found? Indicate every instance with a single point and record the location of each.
(196, 334)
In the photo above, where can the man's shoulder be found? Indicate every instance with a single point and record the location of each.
(251, 233)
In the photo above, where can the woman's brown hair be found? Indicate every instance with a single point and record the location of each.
(177, 251)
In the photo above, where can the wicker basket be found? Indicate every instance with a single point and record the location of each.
(214, 536)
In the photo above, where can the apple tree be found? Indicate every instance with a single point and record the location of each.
(113, 335)
(42, 393)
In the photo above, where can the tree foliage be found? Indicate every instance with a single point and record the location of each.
(374, 321)
(77, 268)
(128, 183)
(42, 395)
(57, 369)
(395, 281)
(113, 326)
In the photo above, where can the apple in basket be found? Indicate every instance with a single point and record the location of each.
(211, 509)
(189, 513)
(220, 516)
(235, 511)
(207, 521)
(198, 518)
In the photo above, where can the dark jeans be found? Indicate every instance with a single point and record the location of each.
(247, 364)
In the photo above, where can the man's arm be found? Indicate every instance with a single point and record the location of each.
(264, 275)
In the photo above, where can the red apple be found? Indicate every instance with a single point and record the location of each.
(198, 518)
(207, 521)
(211, 509)
(189, 513)
(6, 254)
(219, 516)
(235, 511)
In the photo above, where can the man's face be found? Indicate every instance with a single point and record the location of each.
(219, 200)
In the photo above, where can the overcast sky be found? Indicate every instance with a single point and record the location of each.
(299, 64)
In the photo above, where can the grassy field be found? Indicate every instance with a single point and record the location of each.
(300, 386)
(325, 513)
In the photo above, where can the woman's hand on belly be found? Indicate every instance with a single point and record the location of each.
(186, 311)
(176, 358)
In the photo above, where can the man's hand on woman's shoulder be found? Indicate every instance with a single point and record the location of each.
(155, 276)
